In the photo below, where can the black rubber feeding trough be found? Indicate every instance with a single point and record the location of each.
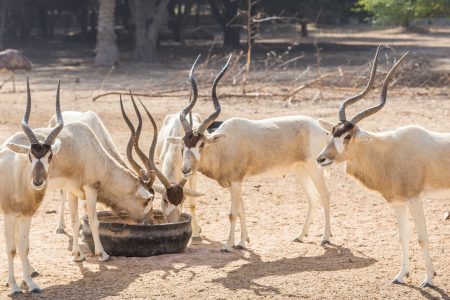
(122, 238)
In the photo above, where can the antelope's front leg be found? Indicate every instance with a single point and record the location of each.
(196, 229)
(23, 247)
(403, 226)
(235, 202)
(91, 200)
(75, 222)
(61, 225)
(10, 233)
(416, 210)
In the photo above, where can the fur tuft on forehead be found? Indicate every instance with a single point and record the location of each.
(40, 150)
(191, 140)
(175, 194)
(342, 128)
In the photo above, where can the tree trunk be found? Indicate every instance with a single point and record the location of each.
(107, 53)
(2, 22)
(148, 17)
(227, 19)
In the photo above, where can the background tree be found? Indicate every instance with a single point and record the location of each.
(402, 12)
(226, 14)
(148, 16)
(179, 12)
(107, 53)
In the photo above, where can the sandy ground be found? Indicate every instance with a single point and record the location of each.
(364, 256)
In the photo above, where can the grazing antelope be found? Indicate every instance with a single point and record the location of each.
(173, 193)
(91, 119)
(12, 60)
(171, 158)
(241, 148)
(26, 161)
(99, 175)
(402, 165)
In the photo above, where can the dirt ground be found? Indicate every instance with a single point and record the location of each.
(365, 254)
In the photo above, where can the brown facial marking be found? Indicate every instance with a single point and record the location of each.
(342, 128)
(191, 140)
(39, 173)
(40, 150)
(175, 194)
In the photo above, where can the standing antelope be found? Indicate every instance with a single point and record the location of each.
(241, 148)
(12, 60)
(26, 161)
(401, 165)
(171, 158)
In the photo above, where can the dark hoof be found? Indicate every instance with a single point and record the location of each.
(425, 285)
(197, 238)
(35, 274)
(239, 247)
(60, 231)
(223, 250)
(36, 290)
(17, 293)
(395, 281)
(297, 240)
(325, 242)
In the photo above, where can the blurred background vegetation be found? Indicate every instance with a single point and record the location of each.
(139, 26)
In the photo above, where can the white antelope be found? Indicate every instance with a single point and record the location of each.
(171, 158)
(26, 161)
(241, 148)
(402, 165)
(91, 119)
(99, 175)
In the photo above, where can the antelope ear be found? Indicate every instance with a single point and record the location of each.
(363, 137)
(158, 188)
(176, 140)
(214, 138)
(328, 126)
(192, 193)
(21, 149)
(143, 193)
(56, 146)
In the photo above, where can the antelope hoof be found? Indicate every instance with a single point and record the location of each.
(298, 240)
(239, 247)
(103, 257)
(426, 284)
(36, 290)
(396, 281)
(60, 231)
(325, 242)
(16, 291)
(79, 258)
(196, 238)
(34, 274)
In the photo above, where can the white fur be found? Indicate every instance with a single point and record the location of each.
(168, 149)
(241, 148)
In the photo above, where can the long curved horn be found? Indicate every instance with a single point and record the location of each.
(54, 133)
(151, 155)
(212, 117)
(370, 111)
(353, 99)
(139, 170)
(137, 136)
(186, 126)
(26, 129)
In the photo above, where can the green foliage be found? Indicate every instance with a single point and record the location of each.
(402, 12)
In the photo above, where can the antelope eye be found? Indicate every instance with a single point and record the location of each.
(348, 137)
(50, 157)
(202, 145)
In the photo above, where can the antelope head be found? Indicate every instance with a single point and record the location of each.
(346, 136)
(173, 194)
(194, 141)
(40, 153)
